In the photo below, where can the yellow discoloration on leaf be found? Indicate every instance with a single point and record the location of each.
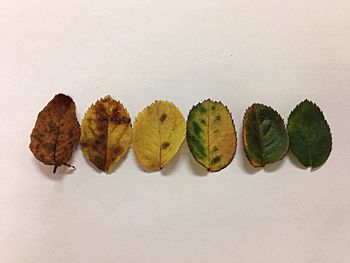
(211, 135)
(106, 133)
(158, 133)
(222, 137)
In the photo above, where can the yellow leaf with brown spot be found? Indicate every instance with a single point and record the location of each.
(211, 135)
(106, 133)
(158, 132)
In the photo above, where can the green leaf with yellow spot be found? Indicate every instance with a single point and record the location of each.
(211, 135)
(310, 135)
(265, 137)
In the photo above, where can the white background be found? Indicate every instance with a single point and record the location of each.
(239, 52)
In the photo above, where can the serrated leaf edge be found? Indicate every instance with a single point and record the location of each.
(244, 141)
(234, 130)
(323, 117)
(136, 120)
(103, 99)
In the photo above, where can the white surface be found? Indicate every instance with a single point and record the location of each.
(240, 52)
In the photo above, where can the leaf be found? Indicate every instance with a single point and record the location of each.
(159, 131)
(56, 129)
(106, 133)
(265, 137)
(211, 135)
(309, 134)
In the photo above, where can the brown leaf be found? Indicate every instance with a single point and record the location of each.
(56, 129)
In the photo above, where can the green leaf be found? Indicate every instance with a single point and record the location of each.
(310, 135)
(211, 135)
(265, 137)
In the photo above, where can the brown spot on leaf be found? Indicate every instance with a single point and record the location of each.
(71, 133)
(117, 117)
(50, 146)
(102, 136)
(98, 145)
(126, 120)
(165, 145)
(120, 120)
(52, 126)
(36, 136)
(163, 117)
(99, 127)
(118, 150)
(99, 161)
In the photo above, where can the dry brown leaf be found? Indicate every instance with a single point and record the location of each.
(56, 129)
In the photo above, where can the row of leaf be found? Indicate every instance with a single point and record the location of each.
(158, 132)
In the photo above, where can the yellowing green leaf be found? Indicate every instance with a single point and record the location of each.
(158, 133)
(211, 135)
(265, 137)
(105, 133)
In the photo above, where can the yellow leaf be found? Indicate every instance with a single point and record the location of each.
(105, 133)
(211, 135)
(158, 133)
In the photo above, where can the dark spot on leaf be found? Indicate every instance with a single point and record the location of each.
(99, 161)
(165, 145)
(101, 116)
(201, 109)
(215, 148)
(196, 128)
(163, 117)
(71, 133)
(40, 134)
(217, 118)
(126, 120)
(215, 160)
(213, 108)
(203, 122)
(117, 118)
(50, 146)
(118, 150)
(37, 137)
(52, 126)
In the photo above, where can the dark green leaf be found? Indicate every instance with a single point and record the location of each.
(310, 135)
(265, 137)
